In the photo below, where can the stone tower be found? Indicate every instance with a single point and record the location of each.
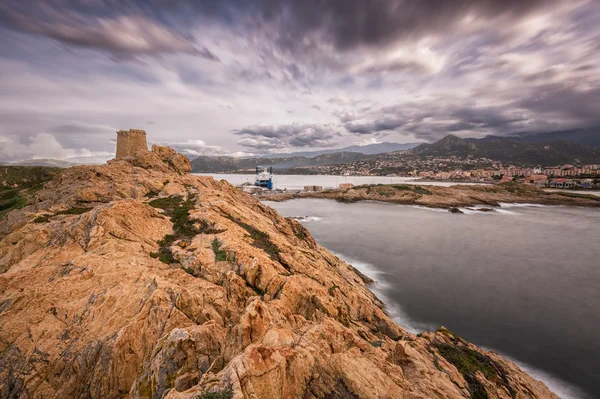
(130, 141)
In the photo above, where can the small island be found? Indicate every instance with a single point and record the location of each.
(451, 197)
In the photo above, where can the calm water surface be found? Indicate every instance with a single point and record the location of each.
(524, 282)
(297, 182)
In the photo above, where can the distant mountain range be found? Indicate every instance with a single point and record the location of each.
(208, 164)
(369, 149)
(587, 136)
(67, 163)
(52, 163)
(508, 150)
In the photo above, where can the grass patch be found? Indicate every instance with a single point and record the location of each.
(27, 176)
(42, 219)
(401, 187)
(74, 211)
(179, 211)
(16, 202)
(260, 239)
(453, 336)
(331, 290)
(164, 253)
(184, 228)
(226, 393)
(9, 194)
(468, 362)
(220, 254)
(190, 271)
(422, 191)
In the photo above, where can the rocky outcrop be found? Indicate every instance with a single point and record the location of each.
(445, 197)
(135, 279)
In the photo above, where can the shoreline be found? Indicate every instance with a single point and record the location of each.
(450, 198)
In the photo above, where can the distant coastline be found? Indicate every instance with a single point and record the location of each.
(485, 197)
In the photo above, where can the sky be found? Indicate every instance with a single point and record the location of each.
(242, 77)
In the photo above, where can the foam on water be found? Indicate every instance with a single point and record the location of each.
(563, 389)
(307, 219)
(505, 212)
(428, 209)
(516, 205)
(379, 288)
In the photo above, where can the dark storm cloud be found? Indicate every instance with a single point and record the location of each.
(348, 24)
(416, 69)
(121, 28)
(438, 121)
(575, 103)
(269, 137)
(386, 123)
(154, 26)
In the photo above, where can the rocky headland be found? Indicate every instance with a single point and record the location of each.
(136, 279)
(451, 197)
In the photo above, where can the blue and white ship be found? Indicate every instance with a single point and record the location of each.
(264, 178)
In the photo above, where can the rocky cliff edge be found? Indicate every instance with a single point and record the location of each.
(137, 280)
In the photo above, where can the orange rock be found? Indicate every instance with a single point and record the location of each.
(89, 310)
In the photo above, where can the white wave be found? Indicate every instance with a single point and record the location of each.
(379, 288)
(562, 388)
(307, 219)
(475, 211)
(516, 205)
(505, 212)
(428, 209)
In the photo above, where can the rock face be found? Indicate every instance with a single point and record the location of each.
(135, 279)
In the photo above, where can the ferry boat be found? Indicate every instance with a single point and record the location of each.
(264, 178)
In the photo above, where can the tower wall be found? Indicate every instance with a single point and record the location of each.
(130, 141)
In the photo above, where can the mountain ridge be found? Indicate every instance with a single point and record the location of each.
(507, 150)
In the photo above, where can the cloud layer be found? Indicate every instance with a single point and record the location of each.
(229, 77)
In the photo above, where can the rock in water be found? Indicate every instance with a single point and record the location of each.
(455, 210)
(135, 279)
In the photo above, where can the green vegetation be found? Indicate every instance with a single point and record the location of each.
(74, 211)
(179, 211)
(14, 201)
(19, 183)
(226, 393)
(453, 336)
(468, 362)
(42, 219)
(332, 289)
(164, 253)
(422, 191)
(384, 189)
(220, 254)
(190, 271)
(401, 187)
(184, 228)
(260, 239)
(27, 176)
(71, 211)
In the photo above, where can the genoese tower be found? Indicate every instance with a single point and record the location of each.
(130, 141)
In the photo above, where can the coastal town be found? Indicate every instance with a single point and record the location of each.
(479, 170)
